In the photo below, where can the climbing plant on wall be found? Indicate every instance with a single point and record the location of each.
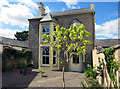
(112, 65)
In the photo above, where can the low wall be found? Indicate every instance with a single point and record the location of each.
(105, 81)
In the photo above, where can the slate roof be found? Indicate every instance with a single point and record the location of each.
(12, 42)
(72, 12)
(107, 42)
(69, 12)
(48, 17)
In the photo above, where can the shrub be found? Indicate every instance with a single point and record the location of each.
(15, 57)
(42, 71)
(7, 68)
(21, 65)
(91, 72)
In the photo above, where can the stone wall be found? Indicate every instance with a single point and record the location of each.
(33, 40)
(105, 81)
(88, 20)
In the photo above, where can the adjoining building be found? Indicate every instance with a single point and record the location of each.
(7, 42)
(45, 23)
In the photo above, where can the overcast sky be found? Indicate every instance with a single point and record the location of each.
(14, 15)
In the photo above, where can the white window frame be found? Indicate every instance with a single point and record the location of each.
(45, 55)
(45, 26)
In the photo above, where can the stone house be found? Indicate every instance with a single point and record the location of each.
(45, 23)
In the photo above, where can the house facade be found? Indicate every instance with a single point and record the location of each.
(45, 23)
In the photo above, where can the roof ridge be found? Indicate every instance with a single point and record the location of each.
(70, 10)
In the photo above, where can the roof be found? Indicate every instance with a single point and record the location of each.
(107, 42)
(48, 17)
(12, 42)
(69, 12)
(101, 44)
(72, 12)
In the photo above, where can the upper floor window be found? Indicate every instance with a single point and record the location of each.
(45, 30)
(54, 38)
(76, 22)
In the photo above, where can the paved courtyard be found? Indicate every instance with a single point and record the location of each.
(52, 79)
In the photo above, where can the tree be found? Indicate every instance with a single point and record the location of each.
(22, 36)
(68, 40)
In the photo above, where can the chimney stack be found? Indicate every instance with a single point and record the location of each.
(92, 6)
(41, 9)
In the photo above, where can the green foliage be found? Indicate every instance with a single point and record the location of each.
(22, 36)
(27, 55)
(112, 66)
(21, 65)
(18, 55)
(7, 68)
(91, 84)
(42, 71)
(76, 37)
(91, 72)
(100, 67)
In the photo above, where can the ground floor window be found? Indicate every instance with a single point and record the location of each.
(45, 55)
(75, 59)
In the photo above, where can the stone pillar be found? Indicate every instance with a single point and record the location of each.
(1, 49)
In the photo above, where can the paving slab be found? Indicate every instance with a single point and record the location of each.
(51, 79)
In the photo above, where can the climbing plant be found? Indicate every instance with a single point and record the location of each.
(112, 66)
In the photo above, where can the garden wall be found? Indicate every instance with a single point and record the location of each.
(105, 81)
(12, 58)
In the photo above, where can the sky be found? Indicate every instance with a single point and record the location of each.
(14, 15)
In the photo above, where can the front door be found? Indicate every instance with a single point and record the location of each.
(76, 63)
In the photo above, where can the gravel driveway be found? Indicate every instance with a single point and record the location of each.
(53, 79)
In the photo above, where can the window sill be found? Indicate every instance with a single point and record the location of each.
(42, 65)
(55, 65)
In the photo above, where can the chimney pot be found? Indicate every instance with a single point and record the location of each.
(41, 3)
(92, 6)
(41, 9)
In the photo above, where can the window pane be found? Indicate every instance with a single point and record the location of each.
(75, 59)
(54, 60)
(54, 28)
(47, 60)
(47, 33)
(43, 39)
(47, 29)
(47, 50)
(44, 30)
(54, 38)
(43, 60)
(43, 52)
(54, 53)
